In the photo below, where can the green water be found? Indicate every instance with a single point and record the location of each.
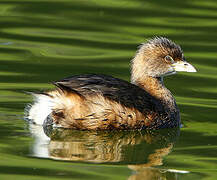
(46, 40)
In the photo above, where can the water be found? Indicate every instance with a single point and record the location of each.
(43, 41)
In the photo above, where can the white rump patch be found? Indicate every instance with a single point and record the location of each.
(40, 109)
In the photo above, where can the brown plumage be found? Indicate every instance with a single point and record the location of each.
(94, 101)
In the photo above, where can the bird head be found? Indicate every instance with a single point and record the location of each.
(159, 57)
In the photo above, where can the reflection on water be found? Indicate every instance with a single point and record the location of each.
(116, 146)
(154, 173)
(140, 150)
(41, 141)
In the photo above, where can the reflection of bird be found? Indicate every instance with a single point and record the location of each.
(104, 102)
(143, 148)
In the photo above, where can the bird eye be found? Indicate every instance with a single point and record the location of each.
(169, 59)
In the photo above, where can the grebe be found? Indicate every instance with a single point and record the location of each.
(95, 101)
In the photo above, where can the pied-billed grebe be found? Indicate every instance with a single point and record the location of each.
(94, 101)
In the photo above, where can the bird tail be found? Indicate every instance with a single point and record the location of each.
(57, 105)
(38, 111)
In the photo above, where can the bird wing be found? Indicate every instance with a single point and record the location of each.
(112, 88)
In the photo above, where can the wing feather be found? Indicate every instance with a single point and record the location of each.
(112, 88)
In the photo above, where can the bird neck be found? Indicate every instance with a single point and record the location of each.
(155, 87)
